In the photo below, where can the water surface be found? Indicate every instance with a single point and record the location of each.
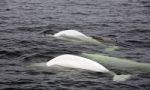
(24, 23)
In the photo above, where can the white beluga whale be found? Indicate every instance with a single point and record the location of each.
(76, 36)
(119, 63)
(77, 62)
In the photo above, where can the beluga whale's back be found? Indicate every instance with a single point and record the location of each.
(74, 35)
(69, 33)
(73, 61)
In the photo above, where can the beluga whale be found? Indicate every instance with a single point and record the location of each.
(78, 62)
(122, 64)
(76, 36)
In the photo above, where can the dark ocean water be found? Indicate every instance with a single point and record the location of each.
(24, 23)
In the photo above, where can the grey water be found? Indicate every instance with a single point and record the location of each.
(25, 23)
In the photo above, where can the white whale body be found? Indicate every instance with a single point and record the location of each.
(71, 33)
(74, 35)
(119, 63)
(73, 61)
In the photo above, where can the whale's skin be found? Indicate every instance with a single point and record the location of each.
(119, 63)
(73, 61)
(75, 36)
(71, 33)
